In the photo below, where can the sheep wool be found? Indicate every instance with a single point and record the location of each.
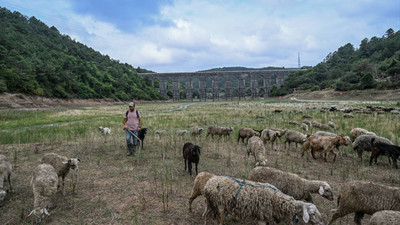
(363, 197)
(363, 143)
(44, 185)
(355, 132)
(5, 176)
(294, 136)
(385, 217)
(255, 147)
(260, 201)
(291, 184)
(198, 186)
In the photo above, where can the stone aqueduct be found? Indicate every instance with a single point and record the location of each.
(256, 83)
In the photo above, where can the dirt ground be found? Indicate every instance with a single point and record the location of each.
(21, 101)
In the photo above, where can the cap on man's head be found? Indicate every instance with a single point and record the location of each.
(131, 104)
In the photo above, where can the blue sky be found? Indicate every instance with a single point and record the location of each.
(192, 35)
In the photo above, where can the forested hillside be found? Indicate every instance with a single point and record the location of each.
(374, 64)
(38, 60)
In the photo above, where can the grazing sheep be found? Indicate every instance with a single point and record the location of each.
(392, 151)
(141, 135)
(191, 154)
(198, 187)
(363, 143)
(316, 124)
(324, 144)
(5, 176)
(364, 197)
(197, 131)
(294, 136)
(61, 164)
(348, 115)
(294, 123)
(44, 185)
(245, 132)
(291, 184)
(255, 147)
(160, 132)
(105, 130)
(355, 132)
(307, 122)
(307, 117)
(260, 201)
(182, 132)
(271, 135)
(226, 132)
(324, 126)
(212, 130)
(324, 133)
(332, 124)
(304, 127)
(385, 217)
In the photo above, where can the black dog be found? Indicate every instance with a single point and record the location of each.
(141, 134)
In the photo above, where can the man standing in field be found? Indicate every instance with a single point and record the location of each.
(132, 122)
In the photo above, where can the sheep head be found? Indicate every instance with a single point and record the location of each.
(326, 192)
(196, 150)
(73, 163)
(309, 213)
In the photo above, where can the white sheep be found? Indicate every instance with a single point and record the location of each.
(5, 176)
(105, 130)
(355, 132)
(332, 124)
(61, 164)
(182, 132)
(197, 131)
(294, 136)
(304, 127)
(255, 147)
(385, 217)
(160, 132)
(271, 135)
(198, 187)
(364, 197)
(291, 184)
(260, 201)
(44, 185)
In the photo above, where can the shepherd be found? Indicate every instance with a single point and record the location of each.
(132, 122)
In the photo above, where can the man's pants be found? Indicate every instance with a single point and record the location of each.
(130, 137)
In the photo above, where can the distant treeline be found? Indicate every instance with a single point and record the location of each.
(38, 60)
(375, 64)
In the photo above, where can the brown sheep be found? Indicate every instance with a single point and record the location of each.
(245, 132)
(324, 144)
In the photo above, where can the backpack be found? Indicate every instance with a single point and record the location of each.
(126, 114)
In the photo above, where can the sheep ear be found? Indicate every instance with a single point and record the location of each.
(321, 190)
(306, 216)
(78, 160)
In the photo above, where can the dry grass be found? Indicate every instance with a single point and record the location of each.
(153, 188)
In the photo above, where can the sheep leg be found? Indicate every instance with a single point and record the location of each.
(312, 153)
(185, 164)
(197, 172)
(334, 157)
(358, 217)
(221, 214)
(9, 181)
(190, 167)
(63, 185)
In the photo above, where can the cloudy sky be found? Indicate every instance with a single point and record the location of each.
(192, 35)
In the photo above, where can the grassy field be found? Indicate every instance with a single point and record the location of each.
(152, 187)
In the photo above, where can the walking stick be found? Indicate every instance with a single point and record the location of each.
(133, 134)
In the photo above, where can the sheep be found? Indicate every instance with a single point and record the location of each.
(291, 184)
(294, 136)
(226, 132)
(355, 132)
(316, 124)
(62, 165)
(364, 197)
(44, 186)
(141, 135)
(160, 132)
(245, 132)
(255, 147)
(271, 135)
(385, 217)
(198, 187)
(348, 115)
(191, 154)
(304, 127)
(182, 132)
(105, 130)
(5, 176)
(324, 133)
(381, 148)
(212, 130)
(363, 143)
(324, 144)
(294, 123)
(324, 126)
(307, 122)
(260, 201)
(197, 131)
